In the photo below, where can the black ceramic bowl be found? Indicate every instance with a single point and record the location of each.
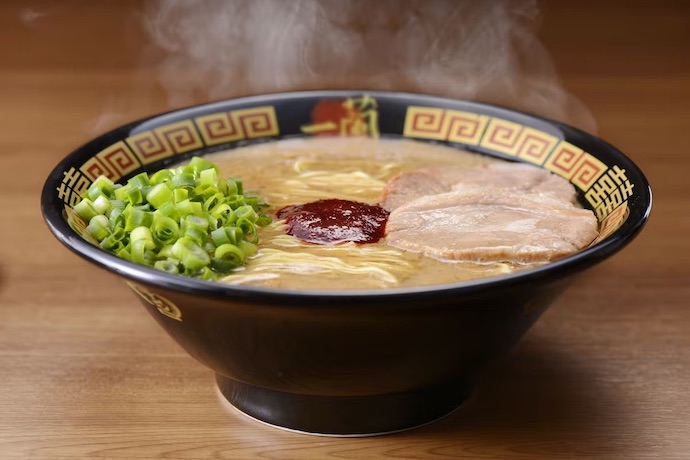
(351, 362)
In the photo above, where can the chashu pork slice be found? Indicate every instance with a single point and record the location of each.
(409, 186)
(491, 226)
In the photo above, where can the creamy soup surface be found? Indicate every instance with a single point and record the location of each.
(298, 171)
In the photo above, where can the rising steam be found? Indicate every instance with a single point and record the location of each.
(482, 50)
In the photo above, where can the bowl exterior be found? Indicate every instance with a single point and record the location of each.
(349, 347)
(349, 366)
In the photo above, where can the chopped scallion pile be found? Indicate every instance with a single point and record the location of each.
(184, 220)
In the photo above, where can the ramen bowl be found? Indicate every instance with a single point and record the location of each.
(351, 362)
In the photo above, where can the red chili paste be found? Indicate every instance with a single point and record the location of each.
(335, 221)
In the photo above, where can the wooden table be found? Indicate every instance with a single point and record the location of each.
(86, 373)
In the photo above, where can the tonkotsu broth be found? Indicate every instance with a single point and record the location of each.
(302, 170)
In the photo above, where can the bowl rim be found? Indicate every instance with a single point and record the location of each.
(52, 213)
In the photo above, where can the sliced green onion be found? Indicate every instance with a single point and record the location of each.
(196, 222)
(222, 187)
(219, 236)
(99, 227)
(186, 169)
(201, 164)
(180, 194)
(165, 230)
(195, 227)
(229, 217)
(184, 220)
(205, 191)
(117, 204)
(169, 210)
(102, 186)
(140, 233)
(118, 234)
(195, 234)
(235, 183)
(162, 176)
(186, 208)
(209, 247)
(183, 180)
(192, 256)
(221, 266)
(231, 187)
(167, 265)
(235, 201)
(247, 226)
(230, 254)
(221, 212)
(116, 218)
(120, 194)
(213, 201)
(248, 248)
(85, 210)
(263, 220)
(255, 201)
(141, 251)
(159, 195)
(134, 196)
(136, 218)
(225, 235)
(138, 181)
(123, 253)
(209, 177)
(101, 204)
(208, 274)
(165, 252)
(141, 207)
(246, 212)
(112, 244)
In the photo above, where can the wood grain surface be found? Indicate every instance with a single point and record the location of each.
(86, 373)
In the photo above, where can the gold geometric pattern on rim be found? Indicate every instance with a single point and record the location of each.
(225, 127)
(257, 121)
(219, 128)
(148, 146)
(113, 162)
(535, 145)
(613, 222)
(440, 124)
(587, 170)
(563, 159)
(502, 136)
(94, 167)
(181, 136)
(465, 127)
(425, 123)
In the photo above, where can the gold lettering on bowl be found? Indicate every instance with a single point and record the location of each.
(163, 305)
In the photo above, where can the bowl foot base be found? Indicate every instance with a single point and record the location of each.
(344, 415)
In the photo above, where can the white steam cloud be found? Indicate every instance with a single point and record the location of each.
(481, 50)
